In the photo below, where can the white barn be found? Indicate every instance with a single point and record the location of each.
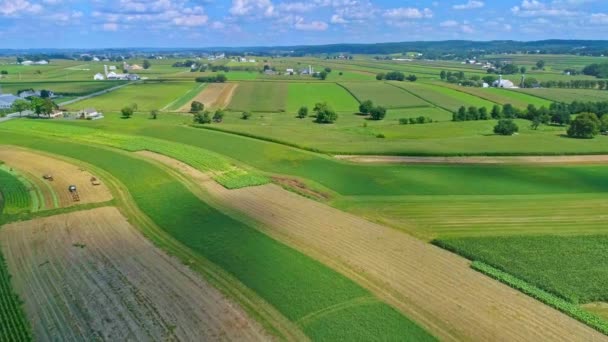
(501, 83)
(99, 77)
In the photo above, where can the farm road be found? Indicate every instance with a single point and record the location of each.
(432, 286)
(580, 159)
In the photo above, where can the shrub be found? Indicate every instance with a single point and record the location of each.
(380, 136)
(380, 76)
(196, 107)
(218, 116)
(377, 113)
(366, 107)
(506, 127)
(302, 112)
(202, 118)
(324, 113)
(585, 126)
(127, 112)
(404, 121)
(245, 115)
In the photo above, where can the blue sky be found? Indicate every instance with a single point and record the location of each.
(201, 23)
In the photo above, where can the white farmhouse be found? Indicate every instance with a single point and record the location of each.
(99, 77)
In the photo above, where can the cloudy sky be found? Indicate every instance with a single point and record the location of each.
(201, 23)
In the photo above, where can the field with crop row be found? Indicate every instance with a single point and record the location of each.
(295, 284)
(15, 197)
(148, 96)
(568, 95)
(185, 99)
(309, 94)
(384, 94)
(260, 97)
(14, 326)
(502, 96)
(449, 99)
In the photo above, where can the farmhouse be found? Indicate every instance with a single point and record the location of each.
(501, 83)
(99, 77)
(90, 114)
(6, 100)
(289, 71)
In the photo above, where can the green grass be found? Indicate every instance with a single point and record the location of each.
(568, 95)
(566, 307)
(14, 325)
(502, 96)
(482, 216)
(443, 97)
(186, 98)
(309, 94)
(296, 285)
(148, 96)
(259, 97)
(77, 88)
(15, 198)
(571, 267)
(384, 94)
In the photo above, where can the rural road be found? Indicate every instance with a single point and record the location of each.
(579, 159)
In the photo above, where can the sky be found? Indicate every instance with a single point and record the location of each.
(206, 23)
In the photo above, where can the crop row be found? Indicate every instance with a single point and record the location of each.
(14, 196)
(562, 305)
(14, 326)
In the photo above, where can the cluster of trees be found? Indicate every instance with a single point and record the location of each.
(576, 84)
(414, 121)
(323, 74)
(587, 126)
(599, 70)
(146, 64)
(473, 113)
(323, 113)
(504, 68)
(205, 117)
(506, 127)
(219, 78)
(39, 105)
(3, 72)
(185, 64)
(396, 76)
(478, 81)
(196, 107)
(375, 112)
(128, 111)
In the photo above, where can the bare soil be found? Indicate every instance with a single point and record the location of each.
(590, 159)
(214, 95)
(56, 194)
(90, 275)
(430, 285)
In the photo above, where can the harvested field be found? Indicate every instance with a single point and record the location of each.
(430, 285)
(56, 193)
(90, 275)
(214, 95)
(590, 159)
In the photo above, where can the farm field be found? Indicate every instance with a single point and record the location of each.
(226, 242)
(384, 94)
(76, 88)
(99, 251)
(147, 95)
(329, 234)
(502, 96)
(186, 99)
(446, 98)
(568, 95)
(260, 97)
(15, 197)
(309, 94)
(215, 95)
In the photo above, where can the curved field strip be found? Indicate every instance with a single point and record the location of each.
(592, 159)
(90, 275)
(309, 94)
(186, 99)
(293, 283)
(431, 285)
(15, 197)
(214, 95)
(384, 94)
(446, 98)
(64, 175)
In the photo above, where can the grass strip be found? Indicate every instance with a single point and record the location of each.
(553, 301)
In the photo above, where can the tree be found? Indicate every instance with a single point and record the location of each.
(43, 106)
(489, 79)
(522, 70)
(221, 78)
(154, 114)
(377, 113)
(134, 106)
(4, 72)
(196, 107)
(323, 75)
(604, 123)
(540, 64)
(324, 113)
(510, 69)
(302, 112)
(380, 76)
(127, 112)
(585, 126)
(327, 70)
(496, 112)
(461, 114)
(202, 118)
(412, 78)
(394, 76)
(147, 64)
(366, 106)
(472, 113)
(506, 127)
(443, 75)
(508, 111)
(218, 116)
(245, 115)
(483, 113)
(20, 106)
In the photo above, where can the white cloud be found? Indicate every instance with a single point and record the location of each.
(535, 8)
(17, 7)
(449, 23)
(310, 26)
(252, 8)
(337, 19)
(407, 13)
(110, 27)
(599, 18)
(191, 20)
(471, 4)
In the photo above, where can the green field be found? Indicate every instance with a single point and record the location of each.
(259, 97)
(384, 94)
(573, 267)
(568, 95)
(186, 98)
(14, 196)
(502, 96)
(77, 88)
(147, 95)
(14, 325)
(295, 284)
(309, 94)
(446, 98)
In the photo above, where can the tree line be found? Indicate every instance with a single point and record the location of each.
(219, 78)
(396, 76)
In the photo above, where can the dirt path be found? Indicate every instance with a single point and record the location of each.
(432, 286)
(90, 275)
(56, 193)
(589, 159)
(214, 95)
